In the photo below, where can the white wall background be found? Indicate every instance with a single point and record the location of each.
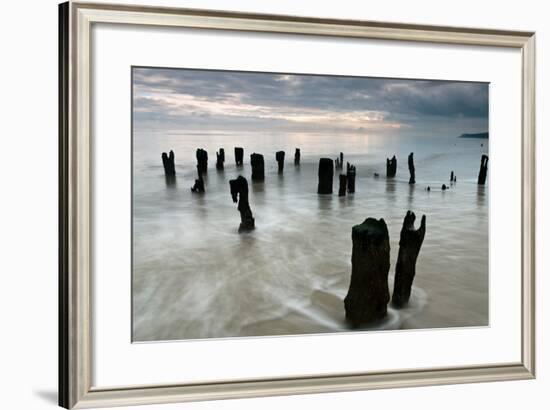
(28, 204)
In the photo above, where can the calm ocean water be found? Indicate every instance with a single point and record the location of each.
(195, 276)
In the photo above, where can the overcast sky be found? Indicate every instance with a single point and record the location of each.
(179, 100)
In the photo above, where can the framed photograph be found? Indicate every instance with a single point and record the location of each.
(256, 205)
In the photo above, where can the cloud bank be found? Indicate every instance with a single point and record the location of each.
(180, 100)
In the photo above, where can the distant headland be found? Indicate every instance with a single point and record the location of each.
(476, 135)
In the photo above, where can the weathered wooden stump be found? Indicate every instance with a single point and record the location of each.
(202, 161)
(391, 167)
(220, 159)
(482, 177)
(452, 176)
(326, 173)
(350, 170)
(340, 161)
(168, 163)
(257, 163)
(239, 155)
(410, 242)
(199, 183)
(297, 156)
(444, 187)
(239, 193)
(368, 293)
(411, 169)
(343, 185)
(280, 157)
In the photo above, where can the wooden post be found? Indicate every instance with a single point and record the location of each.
(239, 155)
(220, 159)
(297, 157)
(411, 169)
(168, 163)
(343, 185)
(409, 248)
(280, 157)
(199, 183)
(202, 161)
(368, 293)
(326, 173)
(257, 163)
(452, 176)
(239, 192)
(483, 170)
(391, 167)
(350, 169)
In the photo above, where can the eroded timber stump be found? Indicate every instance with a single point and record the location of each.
(297, 156)
(220, 159)
(412, 179)
(202, 161)
(239, 155)
(343, 185)
(410, 242)
(391, 167)
(280, 158)
(350, 169)
(326, 174)
(239, 193)
(481, 178)
(368, 294)
(257, 164)
(168, 163)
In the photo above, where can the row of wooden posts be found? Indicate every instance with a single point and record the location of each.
(368, 295)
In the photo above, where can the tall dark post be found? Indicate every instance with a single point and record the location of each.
(297, 157)
(391, 167)
(368, 294)
(239, 192)
(199, 183)
(202, 161)
(409, 248)
(343, 185)
(340, 161)
(411, 169)
(350, 169)
(483, 170)
(257, 163)
(239, 155)
(326, 173)
(220, 159)
(452, 176)
(168, 163)
(280, 157)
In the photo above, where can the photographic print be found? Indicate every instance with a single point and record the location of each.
(268, 204)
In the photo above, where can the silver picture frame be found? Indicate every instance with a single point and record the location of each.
(75, 333)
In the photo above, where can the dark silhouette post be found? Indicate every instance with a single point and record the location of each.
(280, 157)
(202, 161)
(452, 176)
(239, 192)
(409, 248)
(239, 155)
(391, 167)
(343, 185)
(257, 163)
(483, 170)
(220, 159)
(350, 169)
(168, 163)
(199, 183)
(340, 161)
(411, 169)
(297, 157)
(368, 294)
(326, 173)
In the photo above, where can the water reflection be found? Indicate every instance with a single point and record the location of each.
(324, 202)
(480, 195)
(171, 181)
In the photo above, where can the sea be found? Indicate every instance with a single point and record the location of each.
(194, 276)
